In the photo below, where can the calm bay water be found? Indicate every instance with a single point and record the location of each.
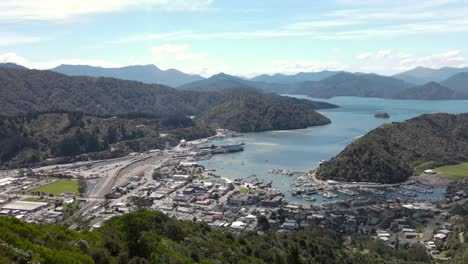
(301, 150)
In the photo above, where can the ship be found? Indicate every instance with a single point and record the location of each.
(228, 148)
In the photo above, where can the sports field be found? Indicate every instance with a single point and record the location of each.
(59, 187)
(454, 172)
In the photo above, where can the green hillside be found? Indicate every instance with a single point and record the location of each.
(391, 152)
(70, 136)
(151, 237)
(253, 115)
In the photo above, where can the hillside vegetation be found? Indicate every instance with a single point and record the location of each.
(34, 138)
(253, 115)
(141, 111)
(429, 91)
(389, 153)
(150, 237)
(26, 91)
(348, 84)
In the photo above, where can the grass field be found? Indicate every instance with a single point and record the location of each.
(422, 167)
(454, 172)
(59, 187)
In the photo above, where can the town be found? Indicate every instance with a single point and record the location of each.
(84, 195)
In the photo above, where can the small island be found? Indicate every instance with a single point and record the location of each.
(382, 115)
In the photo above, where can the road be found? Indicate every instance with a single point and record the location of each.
(134, 167)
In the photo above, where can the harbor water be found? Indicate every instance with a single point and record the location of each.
(302, 150)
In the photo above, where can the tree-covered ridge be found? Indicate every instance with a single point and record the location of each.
(26, 91)
(151, 237)
(389, 153)
(33, 138)
(253, 115)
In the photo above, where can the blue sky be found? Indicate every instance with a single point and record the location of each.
(238, 37)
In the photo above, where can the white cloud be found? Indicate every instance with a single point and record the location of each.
(383, 54)
(453, 58)
(388, 61)
(406, 3)
(364, 56)
(181, 57)
(65, 9)
(321, 24)
(13, 58)
(190, 35)
(43, 65)
(292, 67)
(14, 40)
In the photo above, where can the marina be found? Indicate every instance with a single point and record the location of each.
(268, 154)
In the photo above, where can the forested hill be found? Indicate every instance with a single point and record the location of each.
(349, 84)
(142, 73)
(146, 237)
(389, 153)
(69, 136)
(253, 115)
(31, 90)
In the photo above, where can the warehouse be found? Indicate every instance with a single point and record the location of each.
(24, 206)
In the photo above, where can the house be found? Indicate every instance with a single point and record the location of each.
(407, 230)
(289, 225)
(180, 177)
(205, 202)
(188, 190)
(440, 236)
(444, 231)
(275, 202)
(156, 196)
(430, 245)
(182, 198)
(238, 225)
(383, 234)
(411, 235)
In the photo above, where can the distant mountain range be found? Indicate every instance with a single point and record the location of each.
(341, 84)
(300, 77)
(350, 84)
(10, 65)
(419, 83)
(428, 91)
(223, 81)
(142, 73)
(421, 75)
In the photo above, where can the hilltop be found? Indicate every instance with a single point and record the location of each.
(391, 152)
(429, 91)
(142, 73)
(458, 83)
(10, 65)
(299, 77)
(224, 81)
(349, 84)
(422, 75)
(253, 115)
